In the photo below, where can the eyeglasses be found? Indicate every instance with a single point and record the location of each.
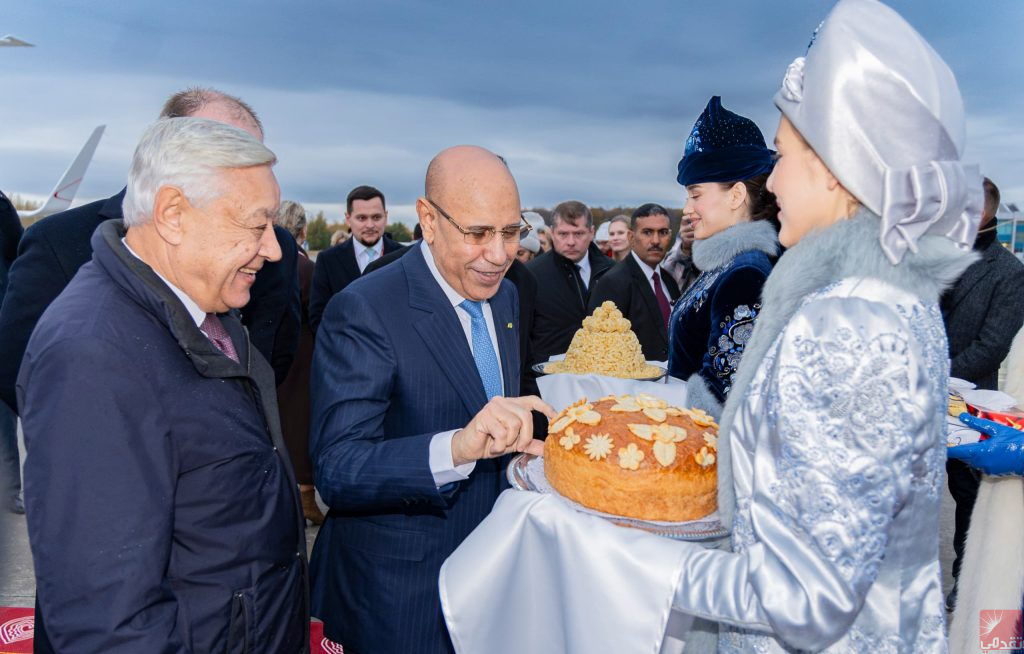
(484, 235)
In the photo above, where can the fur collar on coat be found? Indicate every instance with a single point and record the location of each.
(721, 248)
(849, 248)
(715, 252)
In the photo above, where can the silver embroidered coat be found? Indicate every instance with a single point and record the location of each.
(835, 439)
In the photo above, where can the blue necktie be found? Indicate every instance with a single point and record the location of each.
(483, 351)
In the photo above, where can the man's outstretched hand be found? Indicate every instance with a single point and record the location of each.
(504, 425)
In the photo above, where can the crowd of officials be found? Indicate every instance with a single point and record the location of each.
(188, 375)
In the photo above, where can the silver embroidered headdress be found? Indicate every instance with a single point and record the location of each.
(883, 111)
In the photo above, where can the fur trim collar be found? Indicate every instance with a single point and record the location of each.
(721, 248)
(849, 248)
(699, 396)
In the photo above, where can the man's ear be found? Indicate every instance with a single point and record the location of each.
(428, 222)
(170, 209)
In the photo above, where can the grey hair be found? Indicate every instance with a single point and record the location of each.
(292, 217)
(188, 153)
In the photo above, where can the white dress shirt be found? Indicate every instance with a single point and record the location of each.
(585, 269)
(442, 467)
(363, 259)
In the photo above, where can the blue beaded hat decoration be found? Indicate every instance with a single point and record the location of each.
(723, 147)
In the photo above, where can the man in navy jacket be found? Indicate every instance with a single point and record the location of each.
(414, 382)
(163, 513)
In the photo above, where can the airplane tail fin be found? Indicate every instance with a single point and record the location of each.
(64, 192)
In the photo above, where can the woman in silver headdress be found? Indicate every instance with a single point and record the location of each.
(833, 434)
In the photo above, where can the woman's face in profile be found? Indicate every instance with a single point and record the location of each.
(710, 208)
(808, 195)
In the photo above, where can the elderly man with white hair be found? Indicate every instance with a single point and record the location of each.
(162, 508)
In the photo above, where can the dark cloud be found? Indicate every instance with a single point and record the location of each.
(593, 98)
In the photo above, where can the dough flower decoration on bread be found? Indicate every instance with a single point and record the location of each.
(630, 457)
(626, 404)
(711, 440)
(650, 402)
(700, 417)
(569, 439)
(598, 447)
(704, 457)
(665, 438)
(654, 408)
(580, 412)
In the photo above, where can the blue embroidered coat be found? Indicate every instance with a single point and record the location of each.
(711, 322)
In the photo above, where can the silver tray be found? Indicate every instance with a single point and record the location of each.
(526, 472)
(541, 369)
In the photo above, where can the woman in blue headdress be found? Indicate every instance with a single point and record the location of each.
(724, 168)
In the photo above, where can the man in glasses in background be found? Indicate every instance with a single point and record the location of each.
(414, 388)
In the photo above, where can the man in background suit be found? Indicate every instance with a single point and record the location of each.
(415, 375)
(336, 267)
(982, 312)
(565, 274)
(638, 285)
(10, 460)
(54, 248)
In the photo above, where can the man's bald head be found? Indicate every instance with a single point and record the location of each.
(465, 169)
(197, 102)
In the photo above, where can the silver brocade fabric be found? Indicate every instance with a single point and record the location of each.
(838, 455)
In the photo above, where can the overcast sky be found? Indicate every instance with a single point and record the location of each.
(588, 100)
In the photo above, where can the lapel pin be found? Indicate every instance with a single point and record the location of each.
(509, 326)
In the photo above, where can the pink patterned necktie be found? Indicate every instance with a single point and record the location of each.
(215, 331)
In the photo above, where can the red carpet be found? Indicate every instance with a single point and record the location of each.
(16, 633)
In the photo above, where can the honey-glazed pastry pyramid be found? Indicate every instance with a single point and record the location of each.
(605, 345)
(635, 456)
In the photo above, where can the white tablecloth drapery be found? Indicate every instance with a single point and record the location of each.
(537, 576)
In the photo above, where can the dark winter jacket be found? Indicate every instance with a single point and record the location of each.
(163, 514)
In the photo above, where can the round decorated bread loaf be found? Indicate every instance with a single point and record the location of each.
(634, 456)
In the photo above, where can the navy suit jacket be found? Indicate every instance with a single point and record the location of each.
(391, 369)
(274, 313)
(51, 252)
(336, 268)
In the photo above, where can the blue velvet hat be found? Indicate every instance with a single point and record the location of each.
(723, 147)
